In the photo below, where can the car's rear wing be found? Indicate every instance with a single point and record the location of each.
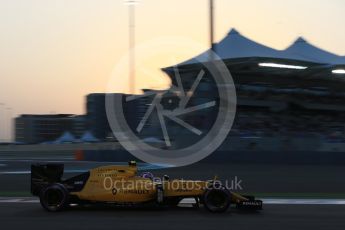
(44, 174)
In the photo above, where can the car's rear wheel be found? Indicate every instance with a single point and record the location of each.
(217, 200)
(54, 198)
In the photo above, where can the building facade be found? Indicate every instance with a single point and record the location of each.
(32, 129)
(97, 120)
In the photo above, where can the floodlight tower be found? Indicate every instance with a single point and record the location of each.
(212, 24)
(131, 15)
(1, 127)
(212, 44)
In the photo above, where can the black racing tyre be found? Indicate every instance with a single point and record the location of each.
(217, 200)
(54, 198)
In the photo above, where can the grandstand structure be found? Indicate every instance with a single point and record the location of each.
(286, 99)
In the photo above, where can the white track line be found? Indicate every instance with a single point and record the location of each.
(26, 172)
(305, 201)
(191, 201)
(18, 200)
(23, 159)
(293, 201)
(15, 173)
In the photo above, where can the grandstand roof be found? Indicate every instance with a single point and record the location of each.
(235, 46)
(301, 65)
(308, 52)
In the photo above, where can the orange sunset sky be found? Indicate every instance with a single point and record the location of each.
(54, 52)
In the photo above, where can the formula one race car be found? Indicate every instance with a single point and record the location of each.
(121, 185)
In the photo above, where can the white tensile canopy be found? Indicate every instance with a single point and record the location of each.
(88, 137)
(235, 46)
(309, 52)
(67, 137)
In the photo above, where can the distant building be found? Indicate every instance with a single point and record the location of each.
(45, 128)
(97, 121)
(79, 125)
(96, 115)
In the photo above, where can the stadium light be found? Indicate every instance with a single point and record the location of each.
(132, 2)
(338, 71)
(282, 66)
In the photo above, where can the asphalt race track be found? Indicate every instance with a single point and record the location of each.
(304, 180)
(265, 180)
(32, 216)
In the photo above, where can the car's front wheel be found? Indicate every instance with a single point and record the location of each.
(54, 197)
(217, 199)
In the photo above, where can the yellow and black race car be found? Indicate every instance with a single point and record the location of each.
(121, 185)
